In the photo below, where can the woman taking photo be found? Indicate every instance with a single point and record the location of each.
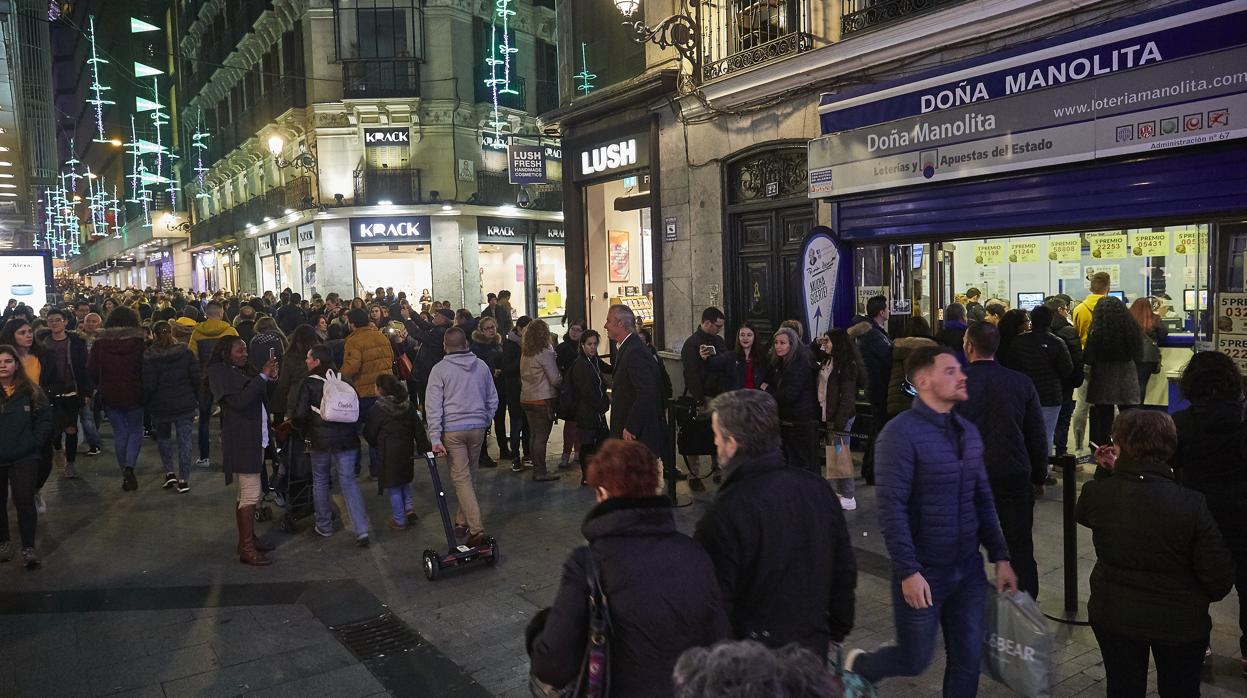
(171, 380)
(242, 392)
(334, 447)
(841, 375)
(794, 383)
(539, 386)
(1211, 459)
(1114, 344)
(663, 594)
(746, 366)
(116, 366)
(25, 426)
(589, 401)
(1160, 561)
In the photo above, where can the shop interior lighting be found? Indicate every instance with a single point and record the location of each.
(10, 186)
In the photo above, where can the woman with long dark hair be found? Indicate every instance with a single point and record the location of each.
(241, 392)
(116, 365)
(40, 366)
(589, 401)
(1114, 345)
(171, 381)
(794, 383)
(25, 426)
(1013, 323)
(745, 366)
(1211, 458)
(840, 376)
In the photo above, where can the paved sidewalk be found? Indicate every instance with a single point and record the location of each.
(141, 594)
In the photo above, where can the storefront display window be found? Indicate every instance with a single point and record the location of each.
(285, 273)
(404, 267)
(504, 267)
(551, 282)
(1169, 263)
(620, 267)
(268, 274)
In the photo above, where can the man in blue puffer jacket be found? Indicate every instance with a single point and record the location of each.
(935, 510)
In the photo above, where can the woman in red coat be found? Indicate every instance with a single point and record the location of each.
(115, 364)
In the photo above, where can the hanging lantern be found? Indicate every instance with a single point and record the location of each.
(627, 8)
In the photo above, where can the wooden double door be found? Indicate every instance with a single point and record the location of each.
(764, 254)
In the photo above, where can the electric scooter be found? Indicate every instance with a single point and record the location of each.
(457, 554)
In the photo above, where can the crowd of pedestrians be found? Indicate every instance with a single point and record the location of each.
(958, 427)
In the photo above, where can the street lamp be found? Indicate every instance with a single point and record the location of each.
(680, 31)
(303, 160)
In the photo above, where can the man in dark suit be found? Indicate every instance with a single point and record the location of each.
(636, 413)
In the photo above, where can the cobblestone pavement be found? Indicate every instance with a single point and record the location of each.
(141, 595)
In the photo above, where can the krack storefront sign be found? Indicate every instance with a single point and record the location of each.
(390, 230)
(526, 164)
(624, 154)
(502, 231)
(377, 137)
(550, 234)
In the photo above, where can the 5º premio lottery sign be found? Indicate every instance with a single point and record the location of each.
(1231, 327)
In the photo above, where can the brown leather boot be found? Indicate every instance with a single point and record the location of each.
(248, 555)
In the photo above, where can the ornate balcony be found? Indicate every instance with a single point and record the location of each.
(739, 35)
(860, 15)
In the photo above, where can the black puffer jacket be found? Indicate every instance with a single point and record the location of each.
(1063, 329)
(662, 592)
(171, 382)
(1212, 459)
(324, 436)
(782, 554)
(1045, 359)
(588, 387)
(795, 386)
(1160, 560)
(395, 430)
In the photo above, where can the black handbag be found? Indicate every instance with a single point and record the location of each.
(593, 681)
(694, 436)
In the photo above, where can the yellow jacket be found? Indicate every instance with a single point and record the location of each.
(1082, 315)
(207, 334)
(367, 355)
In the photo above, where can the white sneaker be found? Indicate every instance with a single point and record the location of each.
(40, 505)
(203, 463)
(848, 503)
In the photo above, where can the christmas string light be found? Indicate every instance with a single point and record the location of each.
(584, 76)
(97, 88)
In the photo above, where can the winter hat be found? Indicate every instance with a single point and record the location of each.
(447, 313)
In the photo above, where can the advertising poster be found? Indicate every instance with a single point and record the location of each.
(1107, 245)
(820, 262)
(526, 164)
(23, 278)
(1113, 270)
(619, 254)
(1024, 252)
(1067, 248)
(989, 253)
(1231, 327)
(1146, 243)
(1190, 240)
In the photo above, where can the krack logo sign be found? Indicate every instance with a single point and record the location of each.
(375, 137)
(609, 157)
(383, 230)
(505, 231)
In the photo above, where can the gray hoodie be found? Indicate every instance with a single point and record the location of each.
(460, 395)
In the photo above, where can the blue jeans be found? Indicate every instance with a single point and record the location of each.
(344, 463)
(127, 434)
(86, 416)
(958, 594)
(374, 467)
(165, 434)
(1050, 417)
(400, 503)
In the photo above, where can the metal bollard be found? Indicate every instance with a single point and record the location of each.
(1069, 498)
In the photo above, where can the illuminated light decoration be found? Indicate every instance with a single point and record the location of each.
(200, 144)
(134, 150)
(584, 76)
(627, 8)
(499, 62)
(138, 26)
(97, 88)
(118, 223)
(145, 105)
(146, 71)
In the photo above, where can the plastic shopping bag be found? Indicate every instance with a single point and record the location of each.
(1018, 648)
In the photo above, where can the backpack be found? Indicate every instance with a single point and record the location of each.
(338, 400)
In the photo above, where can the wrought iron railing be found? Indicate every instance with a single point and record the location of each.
(517, 99)
(366, 78)
(397, 185)
(860, 15)
(495, 189)
(738, 35)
